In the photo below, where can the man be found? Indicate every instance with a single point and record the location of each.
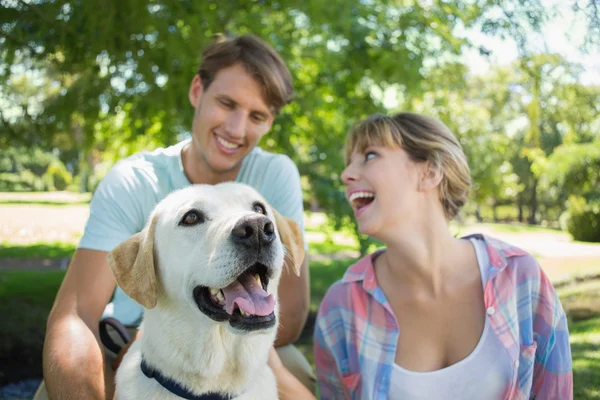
(241, 85)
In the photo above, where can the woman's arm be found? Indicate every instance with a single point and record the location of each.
(552, 375)
(288, 386)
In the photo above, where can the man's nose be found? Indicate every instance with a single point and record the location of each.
(236, 123)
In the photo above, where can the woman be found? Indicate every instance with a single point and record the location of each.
(432, 316)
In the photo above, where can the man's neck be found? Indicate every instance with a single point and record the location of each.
(198, 171)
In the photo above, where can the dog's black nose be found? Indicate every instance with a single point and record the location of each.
(253, 231)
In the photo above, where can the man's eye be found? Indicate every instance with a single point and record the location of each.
(226, 103)
(191, 218)
(258, 118)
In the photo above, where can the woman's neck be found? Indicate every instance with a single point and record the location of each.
(426, 259)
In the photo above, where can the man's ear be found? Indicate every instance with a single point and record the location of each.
(132, 262)
(292, 239)
(195, 92)
(431, 176)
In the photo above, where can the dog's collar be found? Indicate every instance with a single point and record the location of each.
(176, 388)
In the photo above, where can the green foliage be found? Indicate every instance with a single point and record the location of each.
(31, 170)
(575, 169)
(96, 81)
(583, 220)
(58, 176)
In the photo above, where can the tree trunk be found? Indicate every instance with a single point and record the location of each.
(534, 203)
(520, 204)
(495, 210)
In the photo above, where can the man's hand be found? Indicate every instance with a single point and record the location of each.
(294, 302)
(288, 386)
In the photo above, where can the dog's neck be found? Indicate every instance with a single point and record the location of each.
(200, 351)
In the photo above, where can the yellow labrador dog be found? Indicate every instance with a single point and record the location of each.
(206, 269)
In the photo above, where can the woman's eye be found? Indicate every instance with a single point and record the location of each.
(370, 155)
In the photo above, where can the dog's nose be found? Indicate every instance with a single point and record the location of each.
(254, 231)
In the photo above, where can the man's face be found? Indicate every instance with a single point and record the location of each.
(230, 118)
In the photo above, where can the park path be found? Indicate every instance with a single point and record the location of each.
(543, 244)
(30, 224)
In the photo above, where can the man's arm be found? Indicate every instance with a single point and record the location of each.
(73, 359)
(294, 302)
(288, 386)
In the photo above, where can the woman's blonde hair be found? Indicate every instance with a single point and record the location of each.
(424, 139)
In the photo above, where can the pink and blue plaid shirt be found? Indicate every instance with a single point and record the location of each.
(356, 333)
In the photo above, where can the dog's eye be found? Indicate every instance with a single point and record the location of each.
(259, 208)
(192, 218)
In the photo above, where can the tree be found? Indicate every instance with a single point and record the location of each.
(123, 68)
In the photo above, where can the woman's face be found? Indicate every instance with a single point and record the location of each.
(383, 188)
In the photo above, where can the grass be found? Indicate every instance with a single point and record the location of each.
(25, 301)
(26, 296)
(37, 250)
(585, 348)
(32, 292)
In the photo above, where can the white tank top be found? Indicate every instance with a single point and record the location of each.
(483, 374)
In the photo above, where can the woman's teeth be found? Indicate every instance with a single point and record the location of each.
(362, 198)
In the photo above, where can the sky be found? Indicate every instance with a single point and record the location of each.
(564, 34)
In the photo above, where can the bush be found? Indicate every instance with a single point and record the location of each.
(582, 220)
(57, 175)
(32, 170)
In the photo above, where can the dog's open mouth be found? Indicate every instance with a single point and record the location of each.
(245, 302)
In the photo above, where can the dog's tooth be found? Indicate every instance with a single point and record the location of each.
(220, 297)
(257, 278)
(214, 291)
(244, 313)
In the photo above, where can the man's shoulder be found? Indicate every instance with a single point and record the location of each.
(262, 169)
(147, 165)
(151, 159)
(263, 157)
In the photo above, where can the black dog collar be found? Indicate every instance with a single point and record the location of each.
(176, 388)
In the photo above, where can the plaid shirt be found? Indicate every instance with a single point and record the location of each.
(356, 333)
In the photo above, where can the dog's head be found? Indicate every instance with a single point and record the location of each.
(217, 249)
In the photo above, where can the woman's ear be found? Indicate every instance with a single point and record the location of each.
(431, 176)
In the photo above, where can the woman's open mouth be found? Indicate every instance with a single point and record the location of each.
(245, 302)
(360, 200)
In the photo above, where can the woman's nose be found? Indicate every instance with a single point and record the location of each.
(348, 175)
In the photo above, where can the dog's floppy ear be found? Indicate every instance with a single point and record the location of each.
(291, 236)
(132, 262)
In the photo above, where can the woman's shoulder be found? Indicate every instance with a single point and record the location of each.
(346, 292)
(516, 271)
(506, 258)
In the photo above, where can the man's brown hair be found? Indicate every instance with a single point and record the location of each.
(258, 58)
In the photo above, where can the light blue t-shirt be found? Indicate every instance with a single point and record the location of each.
(128, 193)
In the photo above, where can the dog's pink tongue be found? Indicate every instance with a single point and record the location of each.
(249, 296)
